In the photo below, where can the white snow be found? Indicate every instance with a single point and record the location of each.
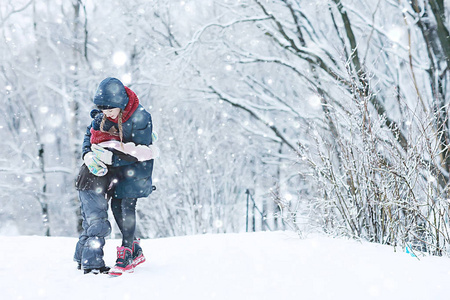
(267, 265)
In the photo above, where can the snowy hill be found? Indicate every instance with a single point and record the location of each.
(232, 266)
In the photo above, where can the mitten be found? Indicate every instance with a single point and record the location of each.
(95, 166)
(141, 152)
(97, 115)
(155, 151)
(102, 154)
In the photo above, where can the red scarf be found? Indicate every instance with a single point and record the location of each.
(98, 136)
(132, 105)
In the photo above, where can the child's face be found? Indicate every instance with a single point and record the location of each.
(111, 113)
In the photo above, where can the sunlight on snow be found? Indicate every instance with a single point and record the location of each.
(288, 197)
(126, 78)
(120, 58)
(49, 138)
(54, 121)
(218, 223)
(395, 33)
(314, 101)
(97, 65)
(94, 244)
(43, 109)
(188, 7)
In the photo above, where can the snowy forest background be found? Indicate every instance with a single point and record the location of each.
(332, 115)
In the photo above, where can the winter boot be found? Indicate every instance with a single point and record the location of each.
(124, 262)
(102, 270)
(138, 255)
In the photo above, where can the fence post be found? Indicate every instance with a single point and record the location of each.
(264, 223)
(246, 218)
(253, 216)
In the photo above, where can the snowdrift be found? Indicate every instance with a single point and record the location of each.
(267, 265)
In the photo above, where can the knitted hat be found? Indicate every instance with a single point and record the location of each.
(111, 94)
(103, 107)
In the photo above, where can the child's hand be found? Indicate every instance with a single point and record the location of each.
(102, 154)
(95, 166)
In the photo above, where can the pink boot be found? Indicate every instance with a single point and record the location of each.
(138, 255)
(124, 262)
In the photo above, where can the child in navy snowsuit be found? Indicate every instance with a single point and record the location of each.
(118, 163)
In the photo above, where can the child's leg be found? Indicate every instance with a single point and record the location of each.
(94, 206)
(129, 221)
(116, 208)
(81, 240)
(124, 211)
(97, 227)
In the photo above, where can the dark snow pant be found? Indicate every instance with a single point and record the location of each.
(94, 210)
(124, 211)
(89, 249)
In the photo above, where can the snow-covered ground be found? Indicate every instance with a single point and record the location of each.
(269, 265)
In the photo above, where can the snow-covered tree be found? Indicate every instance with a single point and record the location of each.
(334, 112)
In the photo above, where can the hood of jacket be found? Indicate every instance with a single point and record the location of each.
(111, 93)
